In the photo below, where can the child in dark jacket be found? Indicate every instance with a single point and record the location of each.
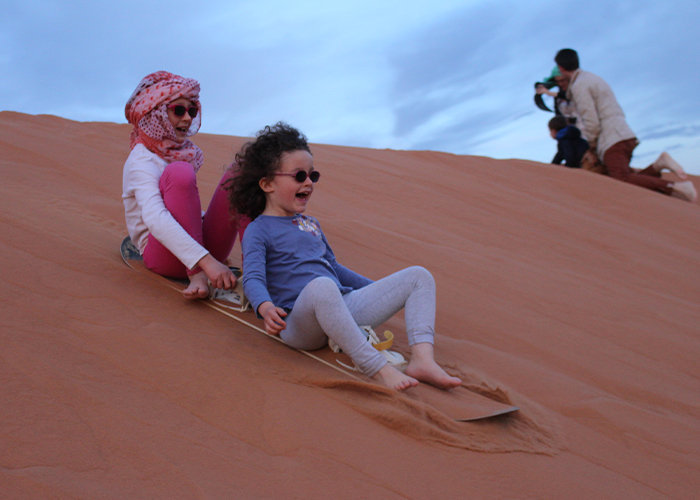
(570, 145)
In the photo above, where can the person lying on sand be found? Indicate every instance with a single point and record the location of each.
(161, 199)
(294, 282)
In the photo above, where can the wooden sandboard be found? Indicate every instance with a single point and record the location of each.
(459, 403)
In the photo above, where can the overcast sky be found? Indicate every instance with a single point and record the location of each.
(444, 75)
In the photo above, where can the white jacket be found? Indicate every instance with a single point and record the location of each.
(145, 210)
(602, 119)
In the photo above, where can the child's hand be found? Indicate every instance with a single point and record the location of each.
(219, 274)
(541, 89)
(272, 317)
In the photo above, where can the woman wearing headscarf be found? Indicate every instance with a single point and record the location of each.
(161, 199)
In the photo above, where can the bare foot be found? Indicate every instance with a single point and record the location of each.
(424, 368)
(394, 379)
(198, 287)
(685, 191)
(665, 161)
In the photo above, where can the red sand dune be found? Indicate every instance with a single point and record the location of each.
(571, 295)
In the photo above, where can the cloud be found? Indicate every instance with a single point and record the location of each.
(464, 80)
(448, 75)
(690, 130)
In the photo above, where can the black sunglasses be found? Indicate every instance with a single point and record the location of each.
(179, 110)
(301, 175)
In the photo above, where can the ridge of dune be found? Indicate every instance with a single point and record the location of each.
(569, 294)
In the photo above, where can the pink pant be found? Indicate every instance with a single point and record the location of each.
(216, 231)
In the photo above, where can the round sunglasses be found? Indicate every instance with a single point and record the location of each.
(179, 110)
(301, 175)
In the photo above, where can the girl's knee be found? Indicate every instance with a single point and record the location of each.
(178, 174)
(421, 275)
(322, 292)
(323, 286)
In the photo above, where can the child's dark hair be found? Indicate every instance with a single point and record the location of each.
(258, 159)
(558, 122)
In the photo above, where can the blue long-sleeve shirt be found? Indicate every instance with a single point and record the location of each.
(281, 255)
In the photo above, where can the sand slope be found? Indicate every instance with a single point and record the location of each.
(569, 294)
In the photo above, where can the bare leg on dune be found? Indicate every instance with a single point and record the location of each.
(424, 368)
(198, 287)
(665, 161)
(685, 191)
(394, 379)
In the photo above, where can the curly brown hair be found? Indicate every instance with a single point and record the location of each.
(259, 159)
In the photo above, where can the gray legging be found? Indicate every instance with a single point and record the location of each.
(321, 311)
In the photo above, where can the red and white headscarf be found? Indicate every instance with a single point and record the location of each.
(147, 111)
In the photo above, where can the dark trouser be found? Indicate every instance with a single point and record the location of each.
(617, 160)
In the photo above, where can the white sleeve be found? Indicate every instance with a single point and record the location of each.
(142, 173)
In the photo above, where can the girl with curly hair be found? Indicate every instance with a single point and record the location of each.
(295, 283)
